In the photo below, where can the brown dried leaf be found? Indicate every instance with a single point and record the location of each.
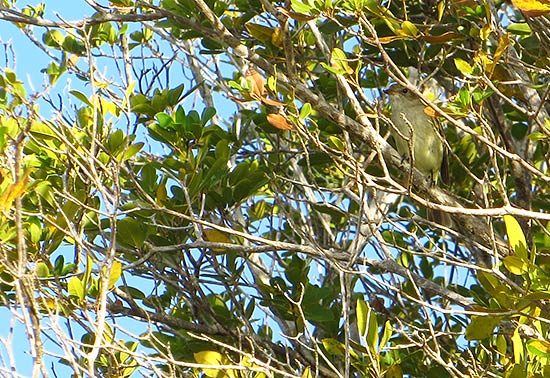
(268, 101)
(258, 88)
(278, 121)
(442, 38)
(295, 15)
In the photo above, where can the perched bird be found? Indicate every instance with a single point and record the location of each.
(419, 130)
(420, 133)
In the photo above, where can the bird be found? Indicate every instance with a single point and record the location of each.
(420, 134)
(418, 130)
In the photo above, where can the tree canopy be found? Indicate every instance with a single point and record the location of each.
(210, 188)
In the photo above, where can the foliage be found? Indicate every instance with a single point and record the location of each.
(217, 195)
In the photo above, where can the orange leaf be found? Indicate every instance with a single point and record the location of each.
(268, 101)
(429, 111)
(257, 81)
(279, 121)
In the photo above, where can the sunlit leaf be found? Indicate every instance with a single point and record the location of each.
(516, 238)
(279, 121)
(532, 8)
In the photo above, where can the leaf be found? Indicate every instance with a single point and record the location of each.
(256, 82)
(408, 28)
(295, 15)
(305, 111)
(216, 236)
(372, 330)
(114, 274)
(268, 101)
(362, 310)
(463, 66)
(260, 32)
(481, 327)
(532, 8)
(540, 348)
(516, 239)
(81, 96)
(42, 270)
(333, 347)
(279, 121)
(394, 371)
(14, 191)
(515, 265)
(339, 61)
(210, 357)
(386, 335)
(76, 288)
(441, 38)
(517, 346)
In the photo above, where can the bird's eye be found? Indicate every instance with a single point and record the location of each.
(404, 91)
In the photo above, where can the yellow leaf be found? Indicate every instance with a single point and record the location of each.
(216, 236)
(532, 8)
(114, 274)
(463, 66)
(213, 358)
(14, 191)
(307, 373)
(515, 265)
(516, 238)
(408, 28)
(161, 194)
(277, 37)
(503, 44)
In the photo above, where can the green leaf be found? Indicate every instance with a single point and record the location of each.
(132, 150)
(463, 66)
(516, 239)
(133, 292)
(482, 327)
(81, 96)
(519, 28)
(305, 111)
(207, 114)
(76, 288)
(42, 270)
(372, 332)
(53, 38)
(340, 61)
(260, 32)
(333, 347)
(362, 310)
(130, 232)
(388, 331)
